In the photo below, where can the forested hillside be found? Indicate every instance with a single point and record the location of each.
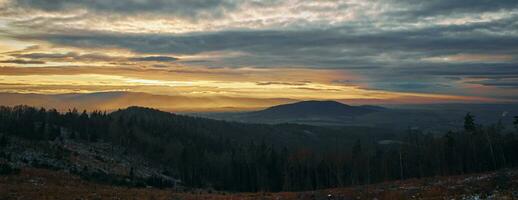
(231, 156)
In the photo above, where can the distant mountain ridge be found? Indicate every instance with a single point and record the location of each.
(317, 108)
(111, 101)
(305, 112)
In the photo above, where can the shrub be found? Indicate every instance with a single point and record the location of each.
(7, 169)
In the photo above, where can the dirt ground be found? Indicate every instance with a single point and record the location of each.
(46, 184)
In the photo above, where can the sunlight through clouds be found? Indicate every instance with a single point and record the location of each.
(394, 50)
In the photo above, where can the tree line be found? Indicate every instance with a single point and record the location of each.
(231, 156)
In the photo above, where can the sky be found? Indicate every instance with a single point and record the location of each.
(357, 51)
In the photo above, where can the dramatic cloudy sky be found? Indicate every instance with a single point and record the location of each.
(385, 51)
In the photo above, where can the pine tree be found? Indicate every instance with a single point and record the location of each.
(4, 141)
(469, 123)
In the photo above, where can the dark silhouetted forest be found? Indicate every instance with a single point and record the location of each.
(233, 156)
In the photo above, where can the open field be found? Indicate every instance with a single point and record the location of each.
(34, 183)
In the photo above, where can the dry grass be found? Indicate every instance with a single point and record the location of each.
(45, 184)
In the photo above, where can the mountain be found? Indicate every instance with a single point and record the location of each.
(427, 117)
(313, 109)
(306, 112)
(140, 147)
(182, 127)
(134, 145)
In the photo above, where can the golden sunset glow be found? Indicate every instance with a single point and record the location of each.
(291, 50)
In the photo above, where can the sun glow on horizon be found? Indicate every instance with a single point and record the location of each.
(228, 51)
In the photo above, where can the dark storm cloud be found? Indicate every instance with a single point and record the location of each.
(417, 54)
(430, 86)
(353, 46)
(448, 7)
(446, 77)
(192, 7)
(64, 56)
(386, 57)
(336, 47)
(472, 70)
(89, 57)
(282, 83)
(506, 83)
(155, 58)
(19, 61)
(416, 86)
(410, 10)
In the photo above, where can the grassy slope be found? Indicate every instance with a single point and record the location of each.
(45, 184)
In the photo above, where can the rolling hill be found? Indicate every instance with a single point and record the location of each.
(306, 112)
(428, 117)
(140, 147)
(315, 109)
(111, 101)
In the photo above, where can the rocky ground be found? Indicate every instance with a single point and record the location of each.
(64, 170)
(98, 161)
(32, 183)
